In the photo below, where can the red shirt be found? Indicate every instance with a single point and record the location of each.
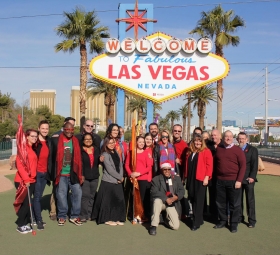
(21, 172)
(143, 166)
(43, 158)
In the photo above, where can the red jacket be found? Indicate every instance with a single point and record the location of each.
(204, 165)
(21, 173)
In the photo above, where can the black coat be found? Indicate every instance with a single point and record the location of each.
(158, 190)
(37, 150)
(251, 154)
(91, 173)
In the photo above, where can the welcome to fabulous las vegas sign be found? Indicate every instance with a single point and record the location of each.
(159, 67)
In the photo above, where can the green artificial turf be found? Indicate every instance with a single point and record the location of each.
(134, 239)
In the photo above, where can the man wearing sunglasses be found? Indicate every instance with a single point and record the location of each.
(166, 192)
(67, 172)
(180, 147)
(89, 127)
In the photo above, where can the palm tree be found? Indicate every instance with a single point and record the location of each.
(201, 98)
(163, 123)
(98, 87)
(139, 104)
(184, 112)
(218, 24)
(78, 29)
(157, 107)
(172, 115)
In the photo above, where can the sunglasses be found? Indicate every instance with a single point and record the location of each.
(177, 131)
(68, 129)
(166, 169)
(89, 126)
(164, 136)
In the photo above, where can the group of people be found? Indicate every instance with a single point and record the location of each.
(164, 164)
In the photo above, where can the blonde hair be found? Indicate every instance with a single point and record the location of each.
(203, 145)
(167, 132)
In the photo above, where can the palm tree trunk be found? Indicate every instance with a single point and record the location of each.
(184, 127)
(220, 92)
(201, 122)
(111, 112)
(83, 84)
(140, 115)
(189, 118)
(172, 123)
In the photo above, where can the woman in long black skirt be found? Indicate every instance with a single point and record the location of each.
(199, 169)
(110, 205)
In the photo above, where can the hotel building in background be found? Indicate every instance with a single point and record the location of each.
(40, 97)
(95, 108)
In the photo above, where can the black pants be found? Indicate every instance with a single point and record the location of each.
(144, 187)
(226, 192)
(250, 203)
(24, 211)
(89, 188)
(197, 202)
(212, 198)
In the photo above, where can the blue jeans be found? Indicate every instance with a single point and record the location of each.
(62, 201)
(38, 193)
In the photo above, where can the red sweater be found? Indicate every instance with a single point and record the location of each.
(180, 148)
(143, 166)
(230, 163)
(21, 173)
(204, 165)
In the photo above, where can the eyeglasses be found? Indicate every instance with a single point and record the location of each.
(177, 131)
(34, 136)
(68, 129)
(163, 136)
(89, 125)
(166, 169)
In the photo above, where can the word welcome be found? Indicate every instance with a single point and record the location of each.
(158, 45)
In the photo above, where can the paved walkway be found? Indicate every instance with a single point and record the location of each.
(6, 184)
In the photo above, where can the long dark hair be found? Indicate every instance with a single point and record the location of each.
(105, 143)
(110, 128)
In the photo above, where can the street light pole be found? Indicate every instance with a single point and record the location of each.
(23, 93)
(266, 110)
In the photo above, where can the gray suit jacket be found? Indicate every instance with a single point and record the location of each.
(110, 173)
(158, 190)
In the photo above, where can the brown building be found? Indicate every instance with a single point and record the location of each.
(43, 97)
(95, 109)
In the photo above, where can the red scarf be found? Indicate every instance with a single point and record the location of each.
(76, 165)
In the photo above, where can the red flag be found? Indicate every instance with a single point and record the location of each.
(21, 192)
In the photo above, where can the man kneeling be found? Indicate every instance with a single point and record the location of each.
(166, 192)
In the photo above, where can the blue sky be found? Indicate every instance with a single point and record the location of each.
(30, 41)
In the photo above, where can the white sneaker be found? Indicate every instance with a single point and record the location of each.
(21, 230)
(28, 229)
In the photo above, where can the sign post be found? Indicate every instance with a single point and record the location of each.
(123, 10)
